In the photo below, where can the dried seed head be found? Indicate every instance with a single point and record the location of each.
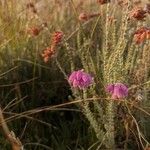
(48, 53)
(57, 37)
(83, 17)
(138, 13)
(51, 50)
(86, 17)
(103, 1)
(141, 35)
(34, 31)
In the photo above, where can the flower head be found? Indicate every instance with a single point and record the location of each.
(86, 17)
(103, 1)
(80, 79)
(141, 35)
(48, 53)
(51, 50)
(34, 31)
(83, 17)
(57, 37)
(138, 13)
(117, 90)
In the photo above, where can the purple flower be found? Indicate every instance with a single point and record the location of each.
(118, 90)
(80, 79)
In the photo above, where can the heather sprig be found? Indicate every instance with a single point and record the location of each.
(109, 39)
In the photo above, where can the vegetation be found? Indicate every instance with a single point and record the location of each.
(75, 75)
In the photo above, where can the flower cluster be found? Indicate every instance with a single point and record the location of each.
(50, 51)
(138, 13)
(56, 38)
(86, 17)
(80, 79)
(118, 90)
(141, 35)
(34, 31)
(103, 1)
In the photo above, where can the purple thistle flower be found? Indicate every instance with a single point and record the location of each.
(80, 79)
(118, 90)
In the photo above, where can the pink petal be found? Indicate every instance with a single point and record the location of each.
(75, 83)
(110, 88)
(79, 75)
(72, 76)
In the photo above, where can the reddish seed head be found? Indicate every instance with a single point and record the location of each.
(51, 50)
(34, 31)
(48, 53)
(83, 17)
(103, 1)
(57, 37)
(86, 17)
(141, 35)
(138, 13)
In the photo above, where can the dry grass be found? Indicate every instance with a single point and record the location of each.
(32, 90)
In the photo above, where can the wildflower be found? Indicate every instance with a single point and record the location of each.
(147, 8)
(141, 35)
(138, 13)
(83, 17)
(80, 79)
(48, 53)
(103, 1)
(57, 37)
(34, 31)
(86, 17)
(51, 50)
(118, 90)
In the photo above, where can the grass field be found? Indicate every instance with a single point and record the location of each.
(75, 75)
